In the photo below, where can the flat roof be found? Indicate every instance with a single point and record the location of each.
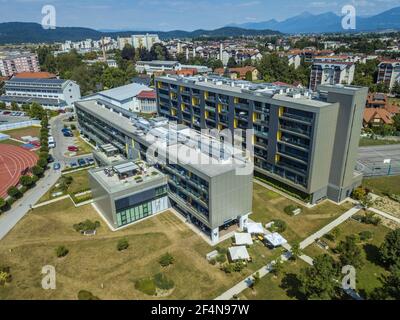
(36, 81)
(125, 92)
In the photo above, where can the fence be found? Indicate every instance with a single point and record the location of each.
(379, 169)
(18, 125)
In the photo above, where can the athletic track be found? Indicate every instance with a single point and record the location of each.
(13, 162)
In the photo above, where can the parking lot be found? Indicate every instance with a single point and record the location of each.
(379, 160)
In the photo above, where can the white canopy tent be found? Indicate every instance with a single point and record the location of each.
(243, 239)
(239, 253)
(275, 239)
(255, 228)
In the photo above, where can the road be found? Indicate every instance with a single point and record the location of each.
(9, 219)
(371, 160)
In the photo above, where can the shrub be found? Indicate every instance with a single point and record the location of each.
(87, 225)
(359, 193)
(26, 181)
(162, 282)
(289, 210)
(86, 295)
(371, 218)
(3, 204)
(279, 226)
(37, 171)
(73, 127)
(5, 275)
(222, 250)
(166, 260)
(366, 235)
(147, 286)
(61, 251)
(42, 163)
(213, 262)
(123, 244)
(221, 258)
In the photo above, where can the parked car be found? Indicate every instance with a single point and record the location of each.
(74, 164)
(50, 159)
(73, 149)
(90, 161)
(57, 166)
(82, 162)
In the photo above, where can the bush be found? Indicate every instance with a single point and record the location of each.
(222, 250)
(161, 281)
(61, 251)
(213, 262)
(3, 204)
(147, 286)
(289, 210)
(221, 258)
(366, 235)
(86, 295)
(87, 225)
(371, 218)
(123, 244)
(5, 275)
(279, 226)
(42, 163)
(38, 171)
(166, 260)
(73, 127)
(26, 181)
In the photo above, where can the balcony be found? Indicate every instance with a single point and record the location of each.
(294, 144)
(296, 130)
(295, 117)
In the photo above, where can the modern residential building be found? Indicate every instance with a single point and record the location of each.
(145, 41)
(205, 181)
(53, 94)
(127, 97)
(171, 67)
(306, 141)
(389, 72)
(331, 72)
(17, 63)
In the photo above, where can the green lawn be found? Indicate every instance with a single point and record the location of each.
(368, 277)
(23, 132)
(279, 287)
(268, 206)
(11, 142)
(84, 148)
(80, 183)
(383, 185)
(366, 142)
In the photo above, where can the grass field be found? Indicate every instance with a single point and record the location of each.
(366, 142)
(368, 277)
(273, 287)
(11, 142)
(95, 264)
(84, 148)
(23, 132)
(80, 183)
(382, 185)
(268, 206)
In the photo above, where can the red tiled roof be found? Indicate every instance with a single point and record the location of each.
(35, 75)
(371, 113)
(147, 95)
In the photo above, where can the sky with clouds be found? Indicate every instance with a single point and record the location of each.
(176, 14)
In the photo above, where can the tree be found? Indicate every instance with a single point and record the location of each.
(350, 253)
(396, 88)
(128, 52)
(123, 244)
(390, 249)
(42, 163)
(14, 106)
(319, 281)
(279, 226)
(13, 192)
(3, 204)
(296, 251)
(367, 201)
(232, 63)
(37, 171)
(396, 121)
(26, 181)
(256, 280)
(166, 260)
(277, 267)
(391, 285)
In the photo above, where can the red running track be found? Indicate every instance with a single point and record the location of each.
(13, 161)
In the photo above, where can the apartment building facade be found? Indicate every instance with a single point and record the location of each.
(19, 63)
(52, 94)
(331, 72)
(209, 195)
(389, 73)
(145, 41)
(308, 144)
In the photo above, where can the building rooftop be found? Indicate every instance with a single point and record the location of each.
(125, 176)
(126, 92)
(203, 152)
(35, 75)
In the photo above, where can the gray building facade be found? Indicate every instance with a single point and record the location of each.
(305, 141)
(210, 195)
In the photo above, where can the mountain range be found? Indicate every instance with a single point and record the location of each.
(21, 32)
(328, 22)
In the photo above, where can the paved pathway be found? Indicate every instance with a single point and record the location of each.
(384, 214)
(246, 283)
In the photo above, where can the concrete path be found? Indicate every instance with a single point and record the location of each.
(329, 227)
(384, 214)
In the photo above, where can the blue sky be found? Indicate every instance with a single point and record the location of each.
(176, 14)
